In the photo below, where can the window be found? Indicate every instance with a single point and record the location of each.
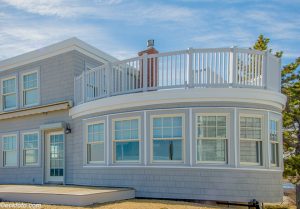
(30, 148)
(10, 155)
(167, 138)
(30, 89)
(9, 94)
(274, 143)
(211, 138)
(126, 140)
(251, 140)
(95, 143)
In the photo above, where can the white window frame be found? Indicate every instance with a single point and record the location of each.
(227, 115)
(126, 140)
(23, 148)
(37, 71)
(3, 151)
(182, 115)
(2, 93)
(261, 151)
(88, 163)
(277, 142)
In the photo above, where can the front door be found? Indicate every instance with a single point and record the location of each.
(55, 157)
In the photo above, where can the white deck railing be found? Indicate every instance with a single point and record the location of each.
(222, 67)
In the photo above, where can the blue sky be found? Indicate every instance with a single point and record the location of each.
(122, 27)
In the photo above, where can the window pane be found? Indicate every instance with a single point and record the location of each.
(211, 150)
(250, 128)
(9, 143)
(250, 151)
(30, 97)
(9, 86)
(167, 150)
(10, 101)
(177, 121)
(10, 158)
(30, 141)
(30, 156)
(30, 81)
(157, 122)
(167, 122)
(95, 152)
(127, 151)
(96, 132)
(275, 154)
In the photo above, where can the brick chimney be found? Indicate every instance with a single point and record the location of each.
(150, 48)
(152, 65)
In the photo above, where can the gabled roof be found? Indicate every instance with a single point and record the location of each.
(56, 49)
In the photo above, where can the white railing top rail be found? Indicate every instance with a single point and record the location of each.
(209, 67)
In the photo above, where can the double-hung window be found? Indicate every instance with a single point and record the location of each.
(274, 143)
(212, 138)
(251, 140)
(10, 154)
(9, 93)
(167, 138)
(30, 89)
(30, 149)
(95, 143)
(126, 140)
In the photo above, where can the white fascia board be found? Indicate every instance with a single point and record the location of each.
(56, 49)
(173, 96)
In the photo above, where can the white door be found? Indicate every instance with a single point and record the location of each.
(55, 157)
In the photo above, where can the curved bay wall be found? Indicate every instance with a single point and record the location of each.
(188, 179)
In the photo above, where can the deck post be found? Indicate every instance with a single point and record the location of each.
(233, 66)
(84, 86)
(265, 71)
(190, 68)
(109, 80)
(145, 72)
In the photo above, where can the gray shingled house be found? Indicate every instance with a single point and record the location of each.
(190, 124)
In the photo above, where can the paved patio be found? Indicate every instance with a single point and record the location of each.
(63, 194)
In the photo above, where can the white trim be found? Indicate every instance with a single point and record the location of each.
(164, 166)
(113, 141)
(227, 138)
(191, 135)
(85, 153)
(183, 138)
(262, 129)
(15, 134)
(173, 96)
(22, 91)
(22, 133)
(9, 77)
(47, 166)
(145, 138)
(236, 137)
(56, 49)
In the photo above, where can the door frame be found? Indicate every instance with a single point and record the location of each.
(47, 157)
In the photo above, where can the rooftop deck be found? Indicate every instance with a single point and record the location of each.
(192, 68)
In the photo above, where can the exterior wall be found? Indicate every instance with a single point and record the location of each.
(28, 174)
(188, 180)
(56, 75)
(56, 84)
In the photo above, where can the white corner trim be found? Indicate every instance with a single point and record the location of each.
(245, 95)
(56, 49)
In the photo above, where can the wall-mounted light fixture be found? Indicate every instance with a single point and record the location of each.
(68, 129)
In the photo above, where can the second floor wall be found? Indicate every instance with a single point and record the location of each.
(42, 82)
